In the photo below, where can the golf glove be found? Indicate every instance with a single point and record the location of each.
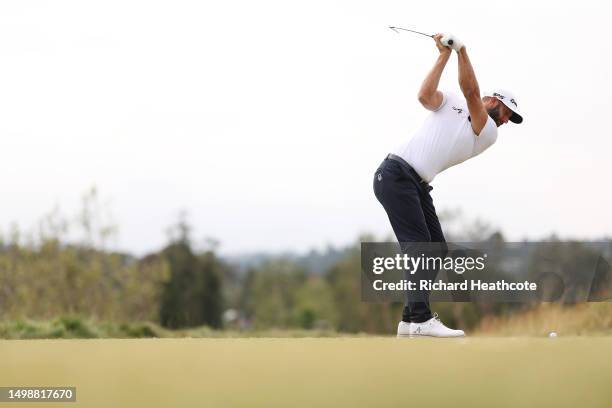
(456, 43)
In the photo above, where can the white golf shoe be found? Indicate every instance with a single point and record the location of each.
(431, 328)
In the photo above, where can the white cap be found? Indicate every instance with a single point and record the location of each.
(509, 100)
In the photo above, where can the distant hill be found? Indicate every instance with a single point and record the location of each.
(314, 261)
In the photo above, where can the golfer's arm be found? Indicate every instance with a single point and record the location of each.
(429, 96)
(471, 91)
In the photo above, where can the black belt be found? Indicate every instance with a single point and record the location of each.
(403, 162)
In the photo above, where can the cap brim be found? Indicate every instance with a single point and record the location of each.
(516, 118)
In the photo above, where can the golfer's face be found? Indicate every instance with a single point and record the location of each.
(504, 114)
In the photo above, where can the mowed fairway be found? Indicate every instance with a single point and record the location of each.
(315, 372)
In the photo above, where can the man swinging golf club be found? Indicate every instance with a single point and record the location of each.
(458, 128)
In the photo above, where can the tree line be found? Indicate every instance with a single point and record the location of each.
(181, 287)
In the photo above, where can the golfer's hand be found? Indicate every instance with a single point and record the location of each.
(442, 48)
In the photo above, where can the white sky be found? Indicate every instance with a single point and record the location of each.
(266, 120)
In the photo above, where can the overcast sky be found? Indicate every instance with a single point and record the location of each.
(266, 120)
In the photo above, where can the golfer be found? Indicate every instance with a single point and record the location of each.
(458, 128)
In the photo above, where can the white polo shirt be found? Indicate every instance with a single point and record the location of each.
(445, 139)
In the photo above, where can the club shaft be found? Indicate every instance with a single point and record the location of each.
(412, 31)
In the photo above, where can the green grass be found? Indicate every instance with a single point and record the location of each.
(74, 327)
(315, 372)
(582, 319)
(71, 327)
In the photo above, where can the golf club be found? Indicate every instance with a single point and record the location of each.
(450, 42)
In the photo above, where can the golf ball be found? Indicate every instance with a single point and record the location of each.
(552, 334)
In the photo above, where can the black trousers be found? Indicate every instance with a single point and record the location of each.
(410, 209)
